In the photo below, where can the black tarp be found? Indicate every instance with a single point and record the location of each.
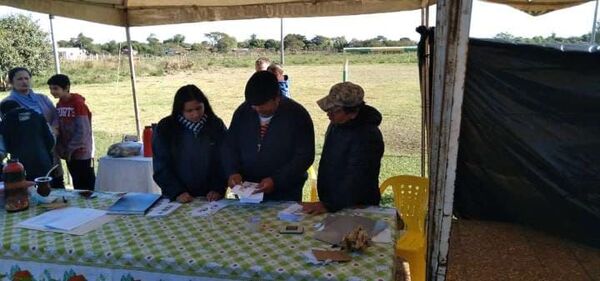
(529, 145)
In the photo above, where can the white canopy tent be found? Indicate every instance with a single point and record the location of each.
(451, 37)
(155, 12)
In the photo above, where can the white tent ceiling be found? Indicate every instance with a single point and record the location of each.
(155, 12)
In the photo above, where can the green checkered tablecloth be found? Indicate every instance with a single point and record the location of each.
(181, 245)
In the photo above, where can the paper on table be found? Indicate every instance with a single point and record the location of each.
(163, 208)
(65, 219)
(377, 210)
(210, 208)
(293, 213)
(385, 236)
(245, 190)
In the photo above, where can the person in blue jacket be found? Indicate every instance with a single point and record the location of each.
(186, 149)
(349, 167)
(270, 141)
(26, 136)
(282, 79)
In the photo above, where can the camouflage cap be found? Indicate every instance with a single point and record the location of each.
(345, 94)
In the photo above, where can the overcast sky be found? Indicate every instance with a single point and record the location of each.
(487, 20)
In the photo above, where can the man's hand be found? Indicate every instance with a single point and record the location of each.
(184, 198)
(213, 196)
(234, 180)
(314, 208)
(266, 185)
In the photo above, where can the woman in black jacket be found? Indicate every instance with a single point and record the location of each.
(186, 148)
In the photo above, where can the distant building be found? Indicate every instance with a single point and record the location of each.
(72, 53)
(125, 51)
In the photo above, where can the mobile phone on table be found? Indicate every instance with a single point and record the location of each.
(291, 229)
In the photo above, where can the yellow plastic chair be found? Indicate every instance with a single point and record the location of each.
(312, 177)
(411, 200)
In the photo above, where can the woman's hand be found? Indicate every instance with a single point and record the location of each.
(314, 208)
(184, 198)
(213, 196)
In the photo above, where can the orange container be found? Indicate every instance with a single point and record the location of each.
(147, 139)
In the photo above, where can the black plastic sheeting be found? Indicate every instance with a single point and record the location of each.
(529, 145)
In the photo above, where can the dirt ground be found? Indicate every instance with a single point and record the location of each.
(489, 251)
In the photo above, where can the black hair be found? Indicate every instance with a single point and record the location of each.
(261, 87)
(13, 72)
(7, 106)
(188, 93)
(60, 80)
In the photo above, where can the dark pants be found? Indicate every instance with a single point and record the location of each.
(57, 175)
(82, 173)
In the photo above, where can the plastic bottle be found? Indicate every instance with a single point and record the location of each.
(147, 139)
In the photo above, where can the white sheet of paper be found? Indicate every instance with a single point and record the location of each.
(211, 208)
(245, 190)
(385, 236)
(65, 219)
(163, 208)
(293, 213)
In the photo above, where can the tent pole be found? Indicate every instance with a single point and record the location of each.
(593, 37)
(54, 47)
(422, 108)
(453, 18)
(133, 86)
(282, 47)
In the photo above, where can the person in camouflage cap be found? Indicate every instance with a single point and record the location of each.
(349, 167)
(345, 94)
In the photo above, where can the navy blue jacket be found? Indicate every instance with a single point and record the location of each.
(28, 137)
(350, 161)
(183, 162)
(286, 151)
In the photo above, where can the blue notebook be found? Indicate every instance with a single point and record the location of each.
(133, 203)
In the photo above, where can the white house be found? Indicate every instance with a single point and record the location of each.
(72, 53)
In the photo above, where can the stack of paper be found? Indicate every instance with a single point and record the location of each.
(210, 208)
(292, 213)
(245, 192)
(163, 208)
(70, 220)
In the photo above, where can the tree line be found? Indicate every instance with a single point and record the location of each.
(223, 43)
(552, 39)
(24, 43)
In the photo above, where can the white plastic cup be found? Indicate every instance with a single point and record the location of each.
(253, 224)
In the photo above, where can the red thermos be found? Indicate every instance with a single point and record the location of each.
(147, 139)
(15, 186)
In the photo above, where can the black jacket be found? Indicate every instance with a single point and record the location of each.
(28, 137)
(286, 151)
(350, 161)
(183, 162)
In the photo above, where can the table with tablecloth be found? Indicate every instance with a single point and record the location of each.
(127, 174)
(182, 247)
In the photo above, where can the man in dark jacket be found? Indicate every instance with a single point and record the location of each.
(349, 167)
(270, 141)
(27, 137)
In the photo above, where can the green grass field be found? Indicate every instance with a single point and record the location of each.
(390, 87)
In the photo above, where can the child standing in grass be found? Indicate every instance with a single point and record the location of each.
(75, 141)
